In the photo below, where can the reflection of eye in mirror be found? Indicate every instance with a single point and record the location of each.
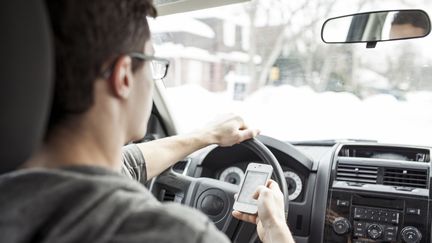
(376, 26)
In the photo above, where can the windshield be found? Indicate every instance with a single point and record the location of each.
(265, 60)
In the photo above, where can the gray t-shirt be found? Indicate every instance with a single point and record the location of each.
(134, 166)
(92, 204)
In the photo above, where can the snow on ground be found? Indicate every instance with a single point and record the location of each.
(298, 113)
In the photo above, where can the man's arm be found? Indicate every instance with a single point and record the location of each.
(163, 153)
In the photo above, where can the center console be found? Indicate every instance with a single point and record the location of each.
(379, 199)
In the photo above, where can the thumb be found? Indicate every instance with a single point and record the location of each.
(248, 134)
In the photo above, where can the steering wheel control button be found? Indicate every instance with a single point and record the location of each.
(342, 203)
(341, 226)
(413, 211)
(411, 234)
(212, 205)
(375, 231)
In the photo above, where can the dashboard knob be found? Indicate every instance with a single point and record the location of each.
(375, 231)
(411, 234)
(341, 226)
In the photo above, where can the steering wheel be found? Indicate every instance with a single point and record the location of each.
(215, 198)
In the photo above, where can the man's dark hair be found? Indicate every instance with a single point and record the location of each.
(89, 35)
(414, 18)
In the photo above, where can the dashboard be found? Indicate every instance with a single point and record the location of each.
(356, 192)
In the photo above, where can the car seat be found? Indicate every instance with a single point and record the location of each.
(26, 60)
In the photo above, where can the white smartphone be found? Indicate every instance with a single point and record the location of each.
(256, 175)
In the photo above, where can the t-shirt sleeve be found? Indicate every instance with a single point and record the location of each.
(134, 165)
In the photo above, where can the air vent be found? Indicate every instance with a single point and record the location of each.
(168, 196)
(180, 166)
(406, 178)
(357, 173)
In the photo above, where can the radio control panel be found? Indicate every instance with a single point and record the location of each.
(360, 217)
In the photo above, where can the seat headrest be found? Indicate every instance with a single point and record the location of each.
(26, 79)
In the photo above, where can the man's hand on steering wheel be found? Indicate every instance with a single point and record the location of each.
(228, 130)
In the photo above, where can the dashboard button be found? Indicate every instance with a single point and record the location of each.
(395, 221)
(359, 213)
(411, 234)
(389, 238)
(375, 231)
(390, 233)
(391, 228)
(394, 218)
(413, 211)
(341, 226)
(342, 203)
(359, 229)
(359, 224)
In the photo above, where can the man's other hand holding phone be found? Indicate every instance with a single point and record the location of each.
(270, 220)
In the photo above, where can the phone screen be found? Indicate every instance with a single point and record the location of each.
(252, 180)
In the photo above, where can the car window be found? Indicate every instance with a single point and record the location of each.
(265, 60)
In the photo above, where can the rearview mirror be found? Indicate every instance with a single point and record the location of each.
(373, 27)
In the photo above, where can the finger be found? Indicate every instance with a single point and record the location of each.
(244, 217)
(247, 134)
(243, 126)
(269, 181)
(256, 132)
(273, 185)
(258, 192)
(239, 120)
(235, 196)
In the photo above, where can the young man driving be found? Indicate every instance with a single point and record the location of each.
(71, 190)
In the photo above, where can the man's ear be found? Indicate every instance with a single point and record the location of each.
(121, 78)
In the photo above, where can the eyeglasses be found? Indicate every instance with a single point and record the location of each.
(159, 65)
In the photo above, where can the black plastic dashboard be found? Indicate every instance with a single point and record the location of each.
(379, 193)
(351, 191)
